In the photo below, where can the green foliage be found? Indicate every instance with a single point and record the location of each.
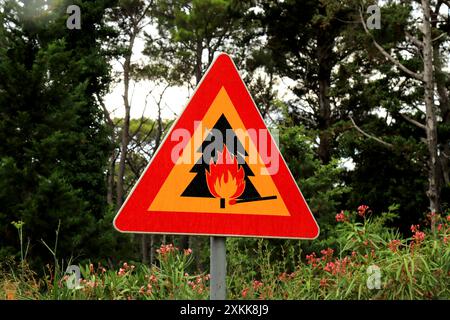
(54, 142)
(411, 268)
(417, 267)
(186, 31)
(167, 280)
(319, 183)
(382, 176)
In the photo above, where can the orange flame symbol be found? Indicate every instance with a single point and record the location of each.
(225, 178)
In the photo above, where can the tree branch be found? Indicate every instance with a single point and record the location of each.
(414, 122)
(438, 37)
(105, 111)
(386, 144)
(414, 40)
(388, 56)
(143, 120)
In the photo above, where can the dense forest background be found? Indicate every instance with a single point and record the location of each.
(363, 113)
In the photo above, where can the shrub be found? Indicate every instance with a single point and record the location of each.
(414, 268)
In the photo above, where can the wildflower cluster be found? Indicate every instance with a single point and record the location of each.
(340, 217)
(362, 210)
(410, 268)
(394, 245)
(199, 284)
(254, 289)
(125, 269)
(414, 267)
(418, 236)
(166, 249)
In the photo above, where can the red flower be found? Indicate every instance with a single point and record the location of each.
(393, 245)
(362, 209)
(340, 217)
(323, 283)
(339, 266)
(327, 254)
(244, 292)
(330, 267)
(282, 277)
(142, 290)
(419, 236)
(153, 279)
(312, 260)
(165, 249)
(257, 284)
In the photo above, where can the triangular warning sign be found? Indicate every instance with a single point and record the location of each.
(218, 172)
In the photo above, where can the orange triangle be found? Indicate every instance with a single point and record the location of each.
(218, 172)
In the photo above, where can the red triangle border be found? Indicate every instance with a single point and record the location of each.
(134, 217)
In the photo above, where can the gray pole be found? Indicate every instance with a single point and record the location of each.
(218, 263)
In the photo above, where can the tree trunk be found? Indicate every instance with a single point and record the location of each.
(145, 248)
(324, 56)
(444, 107)
(324, 151)
(126, 122)
(160, 129)
(152, 251)
(110, 180)
(198, 62)
(431, 130)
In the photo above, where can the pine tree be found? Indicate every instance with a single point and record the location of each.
(54, 141)
(198, 186)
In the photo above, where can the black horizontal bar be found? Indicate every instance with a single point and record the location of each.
(256, 199)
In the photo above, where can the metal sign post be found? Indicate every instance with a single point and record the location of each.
(218, 263)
